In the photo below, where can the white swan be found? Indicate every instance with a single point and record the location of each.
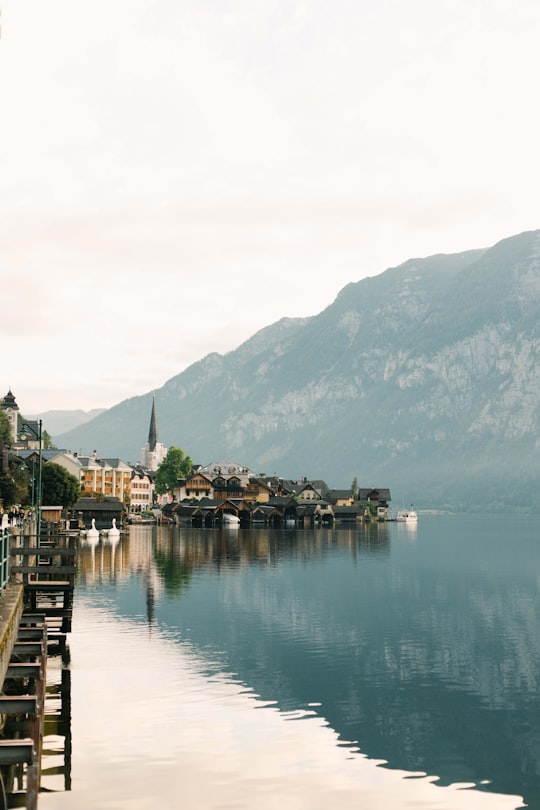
(114, 532)
(93, 534)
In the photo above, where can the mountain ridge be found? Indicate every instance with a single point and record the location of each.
(423, 378)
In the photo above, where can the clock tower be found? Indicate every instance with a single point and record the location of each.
(11, 410)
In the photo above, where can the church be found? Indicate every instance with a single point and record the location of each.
(153, 452)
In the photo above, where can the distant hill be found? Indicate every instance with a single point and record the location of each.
(56, 422)
(425, 379)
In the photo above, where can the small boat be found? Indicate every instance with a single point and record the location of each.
(140, 519)
(230, 519)
(407, 516)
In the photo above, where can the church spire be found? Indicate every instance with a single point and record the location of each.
(152, 433)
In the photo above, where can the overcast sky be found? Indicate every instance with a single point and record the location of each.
(177, 174)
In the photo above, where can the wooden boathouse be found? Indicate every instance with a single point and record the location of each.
(279, 511)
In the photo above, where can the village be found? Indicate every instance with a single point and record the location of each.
(215, 494)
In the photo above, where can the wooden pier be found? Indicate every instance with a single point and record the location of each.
(46, 574)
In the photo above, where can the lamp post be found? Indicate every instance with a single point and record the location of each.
(33, 482)
(26, 431)
(40, 489)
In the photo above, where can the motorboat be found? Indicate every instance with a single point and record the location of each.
(230, 519)
(138, 519)
(407, 516)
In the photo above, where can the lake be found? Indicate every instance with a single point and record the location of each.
(386, 666)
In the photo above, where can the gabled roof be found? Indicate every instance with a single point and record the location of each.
(198, 474)
(356, 509)
(260, 482)
(116, 463)
(364, 493)
(264, 508)
(334, 494)
(46, 455)
(92, 504)
(224, 468)
(282, 500)
(298, 486)
(140, 473)
(185, 509)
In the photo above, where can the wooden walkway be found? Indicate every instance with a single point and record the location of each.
(48, 576)
(47, 573)
(22, 712)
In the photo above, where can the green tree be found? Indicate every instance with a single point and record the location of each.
(354, 487)
(14, 480)
(175, 465)
(8, 491)
(47, 441)
(5, 430)
(60, 488)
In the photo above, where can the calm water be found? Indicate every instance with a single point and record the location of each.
(385, 667)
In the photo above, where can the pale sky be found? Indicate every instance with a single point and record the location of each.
(177, 174)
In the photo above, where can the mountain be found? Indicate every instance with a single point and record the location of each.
(424, 379)
(55, 422)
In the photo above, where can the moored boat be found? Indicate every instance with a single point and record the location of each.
(407, 516)
(140, 519)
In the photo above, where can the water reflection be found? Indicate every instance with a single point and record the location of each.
(418, 648)
(171, 736)
(57, 742)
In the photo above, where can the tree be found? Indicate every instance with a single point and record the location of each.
(13, 481)
(175, 465)
(5, 429)
(8, 491)
(354, 487)
(47, 441)
(59, 487)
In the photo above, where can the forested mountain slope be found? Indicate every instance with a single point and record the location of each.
(425, 379)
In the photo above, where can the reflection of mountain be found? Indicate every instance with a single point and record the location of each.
(428, 654)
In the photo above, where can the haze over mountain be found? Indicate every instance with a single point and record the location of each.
(424, 379)
(61, 421)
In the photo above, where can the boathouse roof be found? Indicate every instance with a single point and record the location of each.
(374, 494)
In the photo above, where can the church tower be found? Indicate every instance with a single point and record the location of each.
(153, 452)
(11, 410)
(152, 433)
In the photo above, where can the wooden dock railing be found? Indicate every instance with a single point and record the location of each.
(48, 575)
(4, 558)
